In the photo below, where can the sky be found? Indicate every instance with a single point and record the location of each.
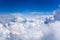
(22, 27)
(10, 6)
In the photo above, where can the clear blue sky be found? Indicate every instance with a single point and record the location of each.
(28, 5)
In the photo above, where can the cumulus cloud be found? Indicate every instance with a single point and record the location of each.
(20, 27)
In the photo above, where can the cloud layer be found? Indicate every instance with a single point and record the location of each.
(20, 27)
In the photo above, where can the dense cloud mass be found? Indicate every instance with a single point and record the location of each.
(20, 27)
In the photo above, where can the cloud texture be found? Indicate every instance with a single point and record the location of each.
(20, 27)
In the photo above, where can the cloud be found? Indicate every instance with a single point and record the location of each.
(42, 13)
(20, 27)
(59, 5)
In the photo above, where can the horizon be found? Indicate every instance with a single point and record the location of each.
(28, 6)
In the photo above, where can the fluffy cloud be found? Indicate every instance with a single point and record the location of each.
(20, 27)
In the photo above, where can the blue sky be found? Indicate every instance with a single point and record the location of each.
(9, 6)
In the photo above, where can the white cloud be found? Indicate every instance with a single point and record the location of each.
(41, 13)
(28, 28)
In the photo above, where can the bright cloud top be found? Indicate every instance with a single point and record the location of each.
(20, 27)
